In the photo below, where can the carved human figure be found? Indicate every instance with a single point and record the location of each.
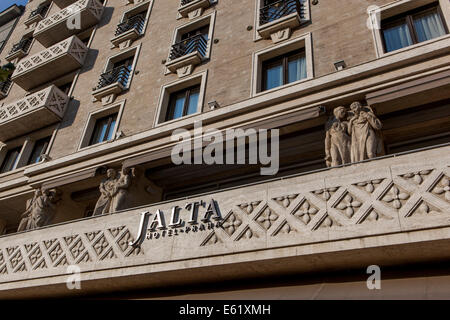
(107, 191)
(41, 209)
(337, 140)
(364, 129)
(122, 186)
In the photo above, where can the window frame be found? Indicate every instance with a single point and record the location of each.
(302, 42)
(114, 108)
(199, 78)
(44, 150)
(187, 95)
(385, 12)
(16, 160)
(138, 9)
(108, 128)
(408, 19)
(285, 67)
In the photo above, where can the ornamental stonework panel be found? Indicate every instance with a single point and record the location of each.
(340, 204)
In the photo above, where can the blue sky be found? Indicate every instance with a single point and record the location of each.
(7, 3)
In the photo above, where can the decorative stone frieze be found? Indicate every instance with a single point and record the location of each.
(321, 209)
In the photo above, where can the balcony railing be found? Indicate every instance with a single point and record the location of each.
(274, 11)
(49, 64)
(41, 10)
(119, 75)
(37, 15)
(63, 24)
(23, 45)
(136, 22)
(4, 87)
(33, 112)
(197, 43)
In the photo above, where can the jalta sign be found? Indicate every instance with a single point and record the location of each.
(194, 217)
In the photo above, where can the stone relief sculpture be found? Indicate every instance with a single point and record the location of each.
(337, 141)
(114, 191)
(363, 128)
(352, 135)
(40, 210)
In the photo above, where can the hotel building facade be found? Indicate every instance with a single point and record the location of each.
(89, 190)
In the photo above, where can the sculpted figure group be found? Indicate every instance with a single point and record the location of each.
(352, 135)
(114, 191)
(41, 209)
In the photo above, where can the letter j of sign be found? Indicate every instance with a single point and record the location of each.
(142, 228)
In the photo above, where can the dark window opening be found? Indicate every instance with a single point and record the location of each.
(40, 147)
(284, 69)
(11, 159)
(103, 129)
(183, 103)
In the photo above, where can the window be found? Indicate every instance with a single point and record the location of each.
(283, 70)
(183, 103)
(11, 160)
(413, 27)
(191, 41)
(181, 98)
(284, 64)
(40, 148)
(104, 129)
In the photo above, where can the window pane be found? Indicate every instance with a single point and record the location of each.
(10, 160)
(178, 106)
(429, 26)
(111, 130)
(274, 77)
(193, 102)
(104, 129)
(397, 37)
(297, 69)
(39, 148)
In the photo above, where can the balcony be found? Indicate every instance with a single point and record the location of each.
(128, 31)
(277, 19)
(63, 3)
(50, 64)
(392, 210)
(4, 87)
(20, 49)
(37, 15)
(69, 21)
(112, 83)
(186, 54)
(33, 112)
(193, 8)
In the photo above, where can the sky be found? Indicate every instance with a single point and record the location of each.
(7, 3)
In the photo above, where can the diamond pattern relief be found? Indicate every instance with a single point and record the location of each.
(396, 197)
(286, 200)
(417, 177)
(325, 194)
(442, 188)
(369, 186)
(231, 224)
(266, 218)
(249, 207)
(305, 212)
(348, 205)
